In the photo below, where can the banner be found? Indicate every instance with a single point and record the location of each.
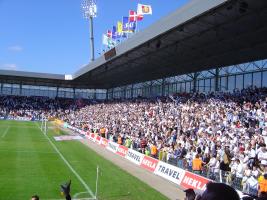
(119, 33)
(104, 142)
(112, 146)
(134, 156)
(128, 26)
(108, 41)
(119, 27)
(194, 181)
(92, 137)
(109, 33)
(67, 137)
(144, 9)
(82, 132)
(149, 163)
(122, 151)
(170, 172)
(133, 16)
(98, 139)
(114, 33)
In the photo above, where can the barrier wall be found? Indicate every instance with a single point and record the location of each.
(172, 173)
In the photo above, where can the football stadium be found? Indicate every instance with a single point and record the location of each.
(177, 110)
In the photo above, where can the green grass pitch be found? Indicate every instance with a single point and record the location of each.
(30, 163)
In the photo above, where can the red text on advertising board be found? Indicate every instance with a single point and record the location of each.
(122, 151)
(92, 136)
(191, 180)
(149, 163)
(98, 138)
(104, 142)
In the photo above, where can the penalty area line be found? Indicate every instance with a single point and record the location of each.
(68, 164)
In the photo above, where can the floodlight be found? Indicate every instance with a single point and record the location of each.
(89, 8)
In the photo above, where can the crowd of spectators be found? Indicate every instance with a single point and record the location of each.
(32, 108)
(222, 136)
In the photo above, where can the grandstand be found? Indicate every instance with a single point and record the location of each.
(217, 47)
(205, 46)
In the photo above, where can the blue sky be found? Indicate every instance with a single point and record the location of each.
(51, 35)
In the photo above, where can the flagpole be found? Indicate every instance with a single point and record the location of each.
(136, 23)
(129, 22)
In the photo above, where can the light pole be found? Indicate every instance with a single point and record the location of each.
(89, 12)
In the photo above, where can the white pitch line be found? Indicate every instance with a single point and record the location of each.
(6, 131)
(69, 165)
(77, 194)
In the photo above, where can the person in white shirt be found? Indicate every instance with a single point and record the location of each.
(239, 169)
(252, 185)
(247, 174)
(214, 167)
(262, 155)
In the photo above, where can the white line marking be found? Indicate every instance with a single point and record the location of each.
(6, 131)
(77, 194)
(68, 164)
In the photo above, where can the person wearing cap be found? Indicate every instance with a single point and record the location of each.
(190, 194)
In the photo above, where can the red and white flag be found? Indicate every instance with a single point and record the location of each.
(109, 33)
(133, 16)
(144, 9)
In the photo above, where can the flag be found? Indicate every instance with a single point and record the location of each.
(108, 41)
(117, 32)
(120, 33)
(133, 16)
(119, 27)
(114, 33)
(105, 39)
(109, 33)
(128, 26)
(144, 9)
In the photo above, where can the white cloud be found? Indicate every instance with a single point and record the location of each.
(15, 48)
(10, 66)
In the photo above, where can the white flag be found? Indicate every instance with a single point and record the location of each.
(144, 9)
(108, 41)
(105, 39)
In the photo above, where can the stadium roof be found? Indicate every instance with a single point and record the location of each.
(201, 35)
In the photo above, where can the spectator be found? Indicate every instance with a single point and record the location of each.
(190, 194)
(153, 150)
(228, 127)
(219, 191)
(263, 184)
(35, 197)
(197, 165)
